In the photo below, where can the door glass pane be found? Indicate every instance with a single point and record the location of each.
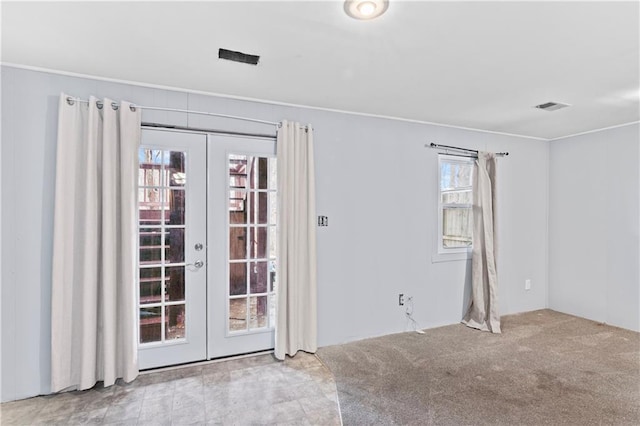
(273, 174)
(259, 310)
(238, 181)
(238, 314)
(175, 207)
(150, 168)
(174, 245)
(150, 325)
(272, 276)
(237, 279)
(257, 207)
(176, 168)
(258, 242)
(237, 243)
(273, 240)
(272, 310)
(273, 207)
(175, 320)
(237, 207)
(258, 175)
(174, 283)
(150, 206)
(150, 285)
(151, 246)
(258, 277)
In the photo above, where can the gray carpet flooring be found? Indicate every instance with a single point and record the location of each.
(546, 368)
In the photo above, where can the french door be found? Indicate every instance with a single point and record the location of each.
(242, 261)
(172, 248)
(207, 253)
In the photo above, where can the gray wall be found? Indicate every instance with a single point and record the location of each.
(375, 181)
(594, 246)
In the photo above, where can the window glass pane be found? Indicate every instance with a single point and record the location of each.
(258, 312)
(175, 320)
(150, 325)
(457, 227)
(455, 174)
(457, 197)
(174, 283)
(237, 243)
(258, 277)
(237, 279)
(238, 314)
(150, 285)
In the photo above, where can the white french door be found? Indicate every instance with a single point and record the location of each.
(207, 246)
(172, 248)
(242, 234)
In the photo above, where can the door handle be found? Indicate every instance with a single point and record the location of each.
(197, 264)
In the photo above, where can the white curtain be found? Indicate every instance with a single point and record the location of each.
(93, 324)
(483, 311)
(296, 308)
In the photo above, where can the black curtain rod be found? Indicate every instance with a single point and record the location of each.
(435, 145)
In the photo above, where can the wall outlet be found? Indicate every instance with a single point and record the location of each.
(401, 299)
(527, 284)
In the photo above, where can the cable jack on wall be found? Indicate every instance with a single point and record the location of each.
(408, 312)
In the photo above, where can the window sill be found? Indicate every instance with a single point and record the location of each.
(450, 257)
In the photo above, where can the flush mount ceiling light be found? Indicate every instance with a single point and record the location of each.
(365, 9)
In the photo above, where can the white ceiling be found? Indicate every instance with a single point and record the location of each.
(475, 64)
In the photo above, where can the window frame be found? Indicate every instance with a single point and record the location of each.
(450, 253)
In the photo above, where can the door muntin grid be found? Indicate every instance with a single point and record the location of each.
(162, 192)
(251, 264)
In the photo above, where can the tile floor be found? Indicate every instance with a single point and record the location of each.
(245, 391)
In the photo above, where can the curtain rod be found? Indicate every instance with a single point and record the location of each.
(115, 106)
(435, 145)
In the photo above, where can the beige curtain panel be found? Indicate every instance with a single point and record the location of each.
(483, 311)
(93, 325)
(296, 323)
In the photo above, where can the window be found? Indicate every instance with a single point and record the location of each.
(455, 214)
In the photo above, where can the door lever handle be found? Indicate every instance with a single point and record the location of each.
(197, 264)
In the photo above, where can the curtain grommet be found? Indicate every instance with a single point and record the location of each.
(70, 100)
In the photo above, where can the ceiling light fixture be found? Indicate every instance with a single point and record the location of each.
(365, 9)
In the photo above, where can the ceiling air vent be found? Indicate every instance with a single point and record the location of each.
(244, 58)
(552, 106)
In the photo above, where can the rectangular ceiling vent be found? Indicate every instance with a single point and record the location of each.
(243, 58)
(552, 106)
